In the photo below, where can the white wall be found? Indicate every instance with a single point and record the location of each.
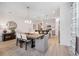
(65, 24)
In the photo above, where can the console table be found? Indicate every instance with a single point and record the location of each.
(8, 36)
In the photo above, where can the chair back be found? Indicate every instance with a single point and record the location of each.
(18, 35)
(24, 36)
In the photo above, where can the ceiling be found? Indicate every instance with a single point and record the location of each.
(40, 8)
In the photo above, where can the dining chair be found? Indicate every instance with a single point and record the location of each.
(24, 38)
(18, 38)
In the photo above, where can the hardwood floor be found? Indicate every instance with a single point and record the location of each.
(9, 48)
(57, 50)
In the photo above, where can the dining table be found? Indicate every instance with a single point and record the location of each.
(43, 31)
(33, 37)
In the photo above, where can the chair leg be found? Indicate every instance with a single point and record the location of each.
(32, 43)
(21, 44)
(17, 42)
(25, 45)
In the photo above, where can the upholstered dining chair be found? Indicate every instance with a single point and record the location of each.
(18, 37)
(24, 38)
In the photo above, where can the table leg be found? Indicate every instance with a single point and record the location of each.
(33, 43)
(25, 45)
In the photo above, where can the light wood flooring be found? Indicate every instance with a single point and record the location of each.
(9, 48)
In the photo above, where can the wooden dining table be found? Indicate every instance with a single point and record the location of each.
(43, 31)
(33, 37)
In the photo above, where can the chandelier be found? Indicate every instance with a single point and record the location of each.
(27, 19)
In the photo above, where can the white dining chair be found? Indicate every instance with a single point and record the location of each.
(18, 35)
(18, 38)
(24, 38)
